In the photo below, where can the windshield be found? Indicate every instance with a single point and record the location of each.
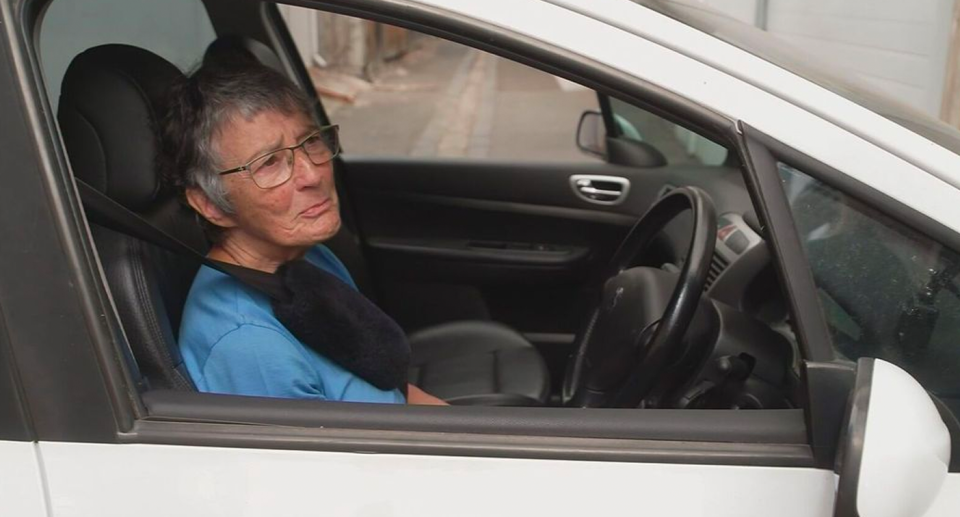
(809, 66)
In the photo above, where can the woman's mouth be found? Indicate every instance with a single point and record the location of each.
(317, 209)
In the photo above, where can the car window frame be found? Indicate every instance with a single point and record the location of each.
(826, 372)
(14, 422)
(158, 418)
(61, 381)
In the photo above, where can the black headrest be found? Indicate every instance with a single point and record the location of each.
(233, 47)
(109, 107)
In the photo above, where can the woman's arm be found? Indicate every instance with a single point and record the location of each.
(417, 396)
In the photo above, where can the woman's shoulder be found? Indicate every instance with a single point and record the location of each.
(218, 304)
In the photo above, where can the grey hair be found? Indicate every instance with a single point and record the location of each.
(204, 104)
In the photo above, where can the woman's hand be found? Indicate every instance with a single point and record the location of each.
(419, 397)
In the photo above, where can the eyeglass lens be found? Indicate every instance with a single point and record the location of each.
(276, 168)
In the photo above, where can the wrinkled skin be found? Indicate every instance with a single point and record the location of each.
(270, 226)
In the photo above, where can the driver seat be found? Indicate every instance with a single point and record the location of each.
(108, 114)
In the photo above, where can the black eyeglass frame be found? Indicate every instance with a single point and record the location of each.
(334, 154)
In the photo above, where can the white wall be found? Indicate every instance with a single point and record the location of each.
(302, 24)
(898, 47)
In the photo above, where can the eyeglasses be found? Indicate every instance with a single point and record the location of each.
(276, 167)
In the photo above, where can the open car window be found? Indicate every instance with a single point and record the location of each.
(537, 278)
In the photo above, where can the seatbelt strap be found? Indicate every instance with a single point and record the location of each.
(107, 212)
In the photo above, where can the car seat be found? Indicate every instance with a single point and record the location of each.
(108, 115)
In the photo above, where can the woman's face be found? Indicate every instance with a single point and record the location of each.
(286, 220)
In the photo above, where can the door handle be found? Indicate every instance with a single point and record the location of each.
(595, 192)
(600, 190)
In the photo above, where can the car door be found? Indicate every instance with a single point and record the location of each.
(109, 444)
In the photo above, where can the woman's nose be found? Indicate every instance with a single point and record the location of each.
(305, 173)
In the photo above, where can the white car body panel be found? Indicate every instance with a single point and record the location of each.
(21, 480)
(799, 125)
(947, 503)
(109, 480)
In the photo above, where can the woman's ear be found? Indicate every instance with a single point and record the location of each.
(206, 208)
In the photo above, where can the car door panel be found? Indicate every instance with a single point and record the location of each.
(21, 481)
(948, 502)
(457, 239)
(253, 482)
(466, 240)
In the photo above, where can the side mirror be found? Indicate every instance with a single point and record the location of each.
(895, 450)
(629, 150)
(591, 134)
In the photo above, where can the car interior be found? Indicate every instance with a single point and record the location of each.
(500, 272)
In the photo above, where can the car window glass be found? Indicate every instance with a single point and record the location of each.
(398, 93)
(678, 145)
(886, 290)
(177, 30)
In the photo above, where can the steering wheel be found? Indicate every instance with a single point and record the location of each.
(643, 313)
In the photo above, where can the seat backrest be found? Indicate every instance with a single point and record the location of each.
(231, 47)
(109, 114)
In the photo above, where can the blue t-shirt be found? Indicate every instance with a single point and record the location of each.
(232, 343)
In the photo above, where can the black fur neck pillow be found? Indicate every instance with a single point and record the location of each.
(344, 326)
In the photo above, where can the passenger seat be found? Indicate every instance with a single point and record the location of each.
(109, 121)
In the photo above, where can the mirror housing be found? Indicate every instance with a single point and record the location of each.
(627, 149)
(896, 448)
(591, 134)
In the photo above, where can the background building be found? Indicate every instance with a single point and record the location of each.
(907, 50)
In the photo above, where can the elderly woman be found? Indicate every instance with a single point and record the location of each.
(254, 164)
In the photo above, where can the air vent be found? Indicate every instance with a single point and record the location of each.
(717, 265)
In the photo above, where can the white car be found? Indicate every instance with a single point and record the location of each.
(792, 348)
